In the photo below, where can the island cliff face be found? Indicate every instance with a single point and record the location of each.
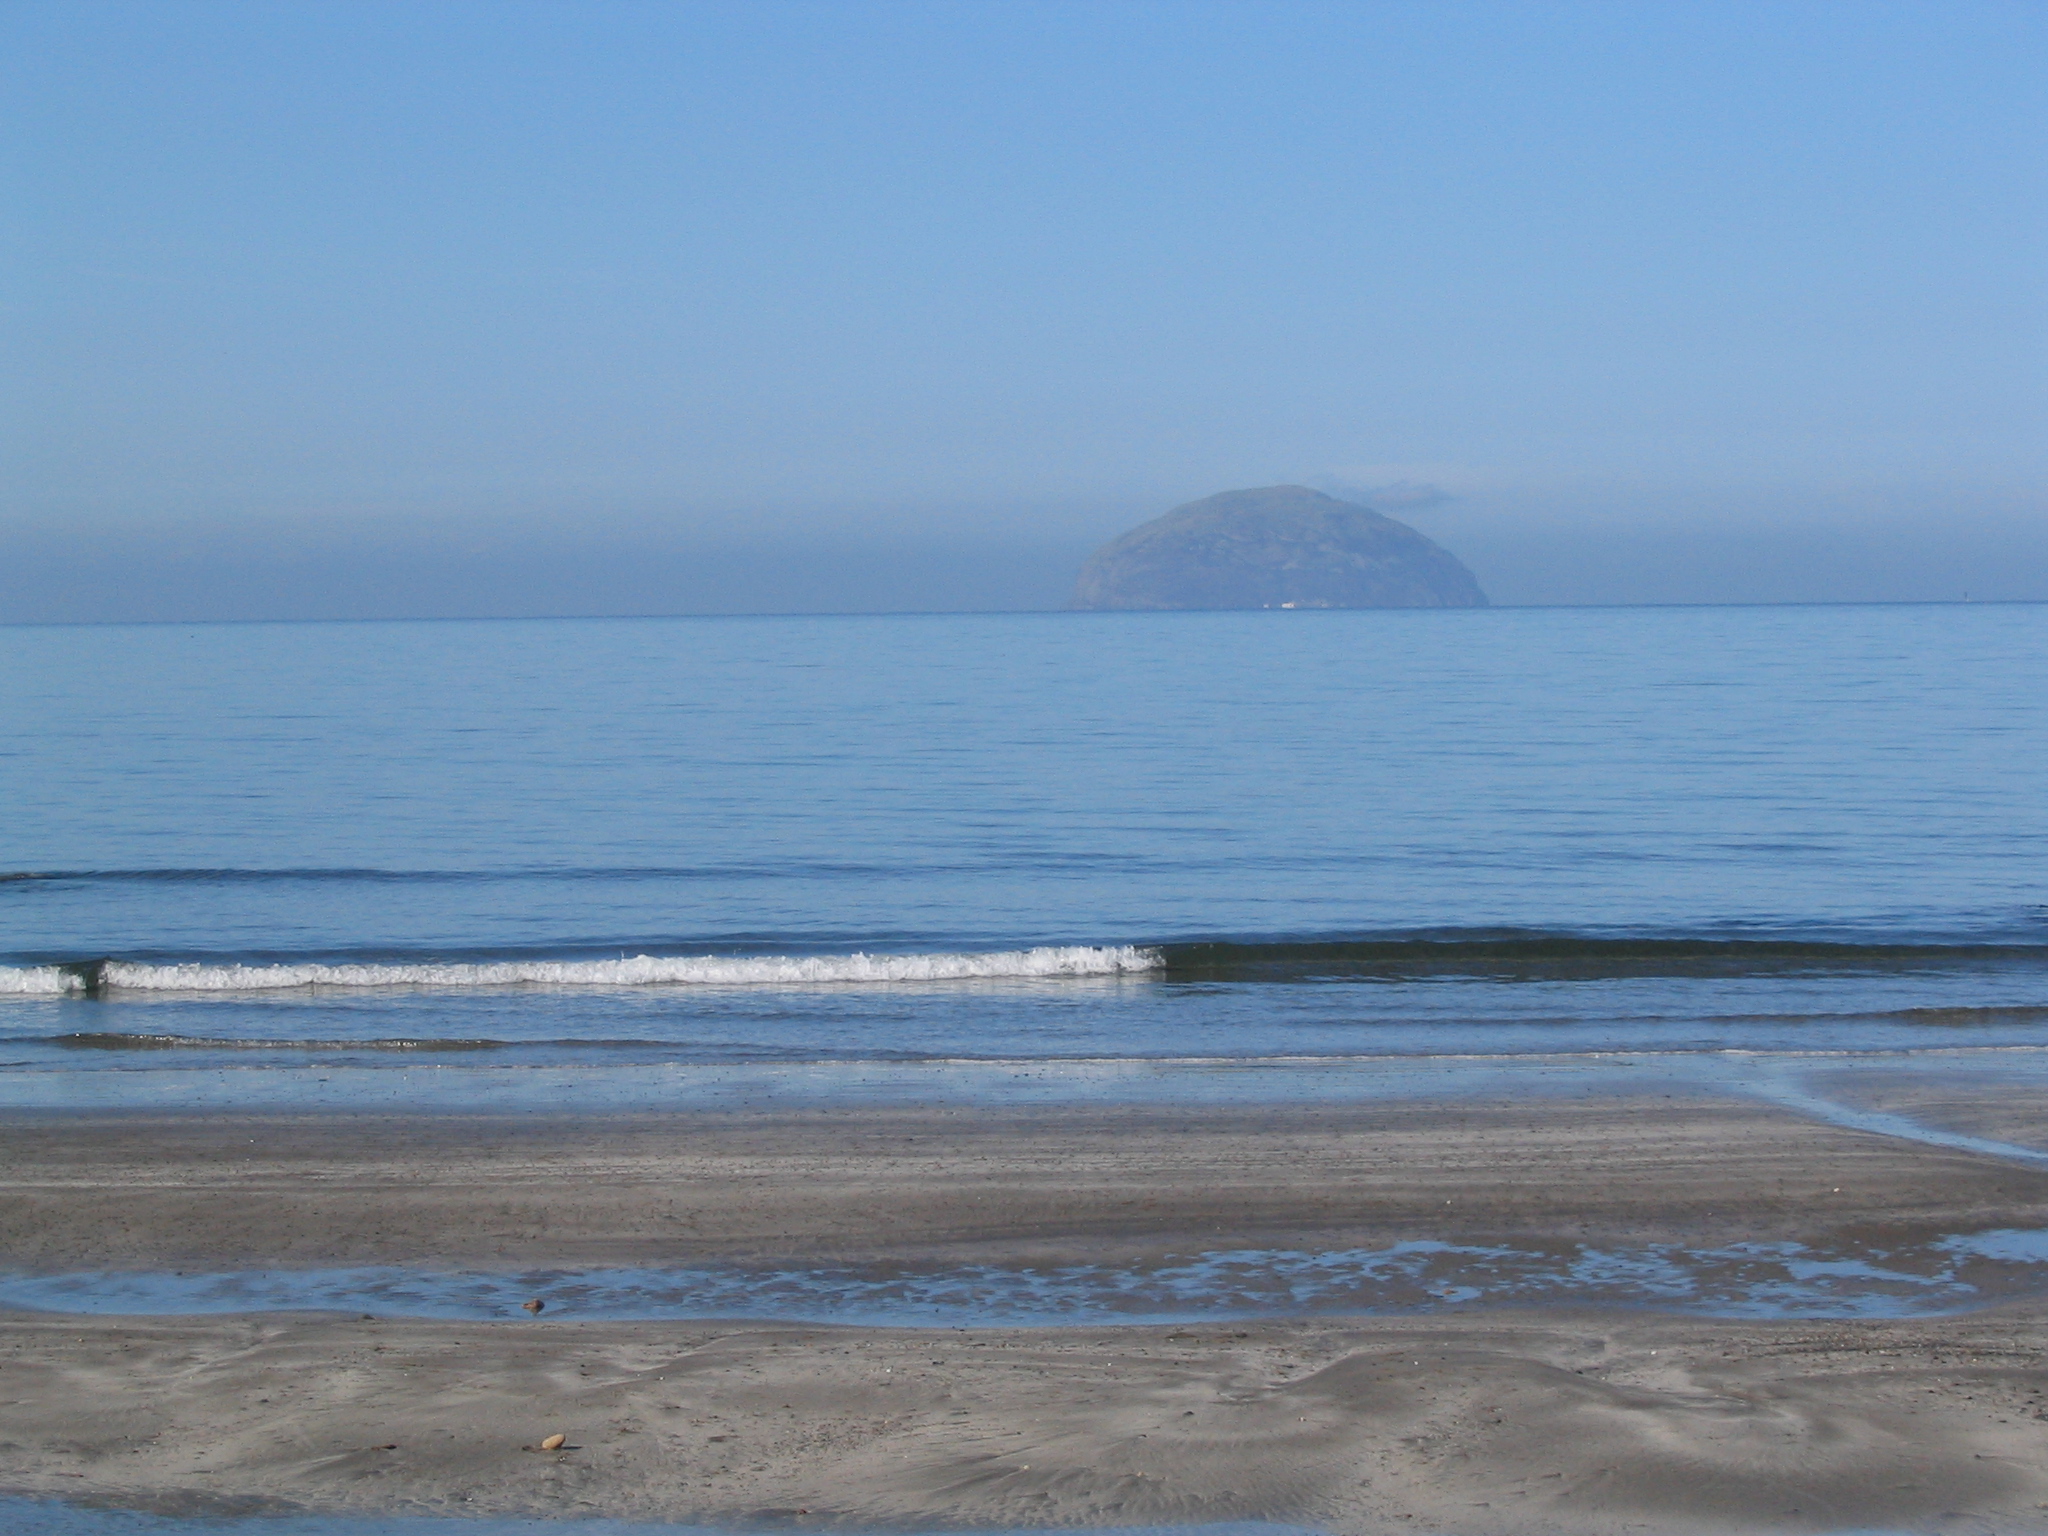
(1285, 546)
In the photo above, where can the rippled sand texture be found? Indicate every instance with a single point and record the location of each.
(1471, 1421)
(1486, 1424)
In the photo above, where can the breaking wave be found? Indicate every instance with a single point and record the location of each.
(37, 981)
(93, 978)
(109, 1041)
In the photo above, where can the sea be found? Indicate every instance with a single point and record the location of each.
(625, 863)
(586, 866)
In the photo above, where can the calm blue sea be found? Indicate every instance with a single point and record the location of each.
(645, 861)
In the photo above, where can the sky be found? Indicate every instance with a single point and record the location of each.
(443, 309)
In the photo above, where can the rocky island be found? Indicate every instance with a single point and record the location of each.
(1284, 546)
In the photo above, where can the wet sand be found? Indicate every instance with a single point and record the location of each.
(1477, 1421)
(1968, 1102)
(139, 1191)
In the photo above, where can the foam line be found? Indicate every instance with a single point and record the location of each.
(639, 971)
(37, 981)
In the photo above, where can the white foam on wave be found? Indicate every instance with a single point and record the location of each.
(637, 971)
(36, 981)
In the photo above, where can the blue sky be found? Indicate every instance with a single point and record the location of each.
(611, 307)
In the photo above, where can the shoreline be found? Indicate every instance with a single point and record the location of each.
(438, 1084)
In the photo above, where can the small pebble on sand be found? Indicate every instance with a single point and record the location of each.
(554, 1442)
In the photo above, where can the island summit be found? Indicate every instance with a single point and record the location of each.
(1284, 546)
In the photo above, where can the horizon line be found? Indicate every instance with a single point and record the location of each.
(971, 613)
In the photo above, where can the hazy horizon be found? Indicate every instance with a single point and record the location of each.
(455, 309)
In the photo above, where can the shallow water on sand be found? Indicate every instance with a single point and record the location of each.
(1736, 1280)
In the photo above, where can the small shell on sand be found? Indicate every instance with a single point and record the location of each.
(554, 1442)
(534, 1306)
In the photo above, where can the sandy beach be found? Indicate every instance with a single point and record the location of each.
(139, 1191)
(1478, 1421)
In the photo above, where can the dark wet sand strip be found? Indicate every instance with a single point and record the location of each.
(150, 1192)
